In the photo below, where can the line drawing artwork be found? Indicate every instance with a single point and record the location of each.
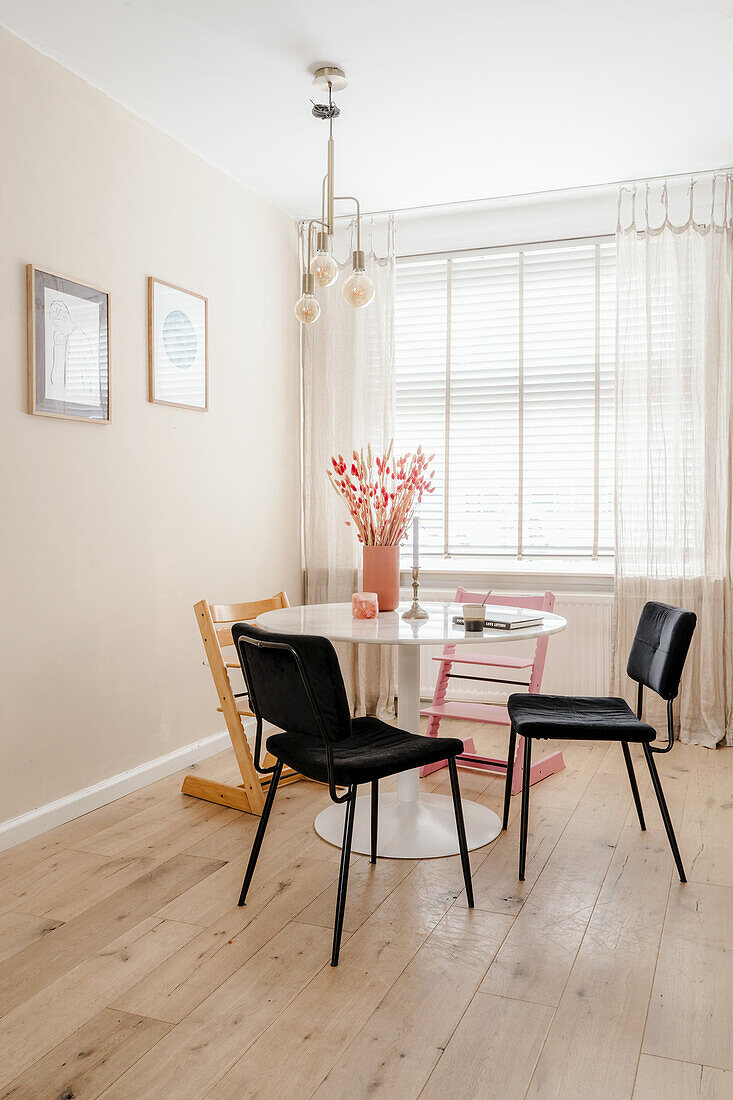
(63, 326)
(72, 346)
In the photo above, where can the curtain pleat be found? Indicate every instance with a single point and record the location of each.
(674, 449)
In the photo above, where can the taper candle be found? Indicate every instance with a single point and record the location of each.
(415, 542)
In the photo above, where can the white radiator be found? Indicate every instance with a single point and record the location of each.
(578, 658)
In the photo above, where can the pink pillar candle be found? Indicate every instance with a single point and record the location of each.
(364, 605)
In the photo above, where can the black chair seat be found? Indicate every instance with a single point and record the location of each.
(585, 717)
(373, 751)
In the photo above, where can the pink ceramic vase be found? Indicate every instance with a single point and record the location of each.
(381, 574)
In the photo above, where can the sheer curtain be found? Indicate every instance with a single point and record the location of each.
(347, 363)
(674, 437)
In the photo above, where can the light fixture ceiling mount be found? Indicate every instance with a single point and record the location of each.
(330, 75)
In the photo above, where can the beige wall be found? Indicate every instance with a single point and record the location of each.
(109, 534)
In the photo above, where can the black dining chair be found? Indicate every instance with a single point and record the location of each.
(294, 682)
(656, 660)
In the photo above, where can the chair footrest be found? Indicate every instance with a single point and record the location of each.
(492, 661)
(242, 708)
(471, 712)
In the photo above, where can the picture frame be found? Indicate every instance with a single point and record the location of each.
(68, 347)
(178, 346)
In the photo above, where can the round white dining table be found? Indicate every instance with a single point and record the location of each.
(412, 825)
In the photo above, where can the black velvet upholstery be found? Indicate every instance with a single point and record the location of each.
(656, 660)
(657, 656)
(660, 647)
(373, 750)
(363, 748)
(294, 681)
(587, 718)
(276, 688)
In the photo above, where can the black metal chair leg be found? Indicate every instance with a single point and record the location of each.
(509, 776)
(259, 836)
(375, 816)
(343, 875)
(664, 811)
(524, 818)
(461, 828)
(632, 781)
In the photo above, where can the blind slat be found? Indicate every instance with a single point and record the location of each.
(504, 366)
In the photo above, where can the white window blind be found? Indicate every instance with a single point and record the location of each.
(504, 362)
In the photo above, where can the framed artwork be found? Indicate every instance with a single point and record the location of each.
(178, 346)
(68, 348)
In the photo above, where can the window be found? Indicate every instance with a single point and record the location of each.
(504, 363)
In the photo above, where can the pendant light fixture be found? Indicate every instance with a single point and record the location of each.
(321, 269)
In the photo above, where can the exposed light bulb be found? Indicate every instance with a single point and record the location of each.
(307, 309)
(358, 290)
(324, 268)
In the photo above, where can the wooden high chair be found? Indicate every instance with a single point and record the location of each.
(215, 623)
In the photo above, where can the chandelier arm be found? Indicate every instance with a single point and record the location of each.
(353, 198)
(307, 277)
(311, 223)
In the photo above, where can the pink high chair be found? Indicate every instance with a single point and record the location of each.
(495, 713)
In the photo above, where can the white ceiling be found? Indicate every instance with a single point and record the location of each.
(446, 100)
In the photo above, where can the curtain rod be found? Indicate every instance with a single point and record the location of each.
(537, 194)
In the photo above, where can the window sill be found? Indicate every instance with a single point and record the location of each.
(509, 575)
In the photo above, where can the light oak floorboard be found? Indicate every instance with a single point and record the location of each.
(492, 1052)
(55, 954)
(195, 1054)
(172, 990)
(83, 1065)
(93, 879)
(369, 885)
(396, 1050)
(692, 1001)
(594, 1042)
(294, 806)
(675, 770)
(495, 883)
(33, 1028)
(664, 1078)
(538, 954)
(31, 852)
(19, 931)
(26, 890)
(153, 832)
(294, 1055)
(190, 1014)
(707, 825)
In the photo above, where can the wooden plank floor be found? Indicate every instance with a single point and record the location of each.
(128, 971)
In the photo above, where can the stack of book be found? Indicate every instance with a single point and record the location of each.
(505, 618)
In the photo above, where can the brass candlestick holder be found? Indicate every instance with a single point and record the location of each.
(415, 612)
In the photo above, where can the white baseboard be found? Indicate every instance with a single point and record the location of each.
(25, 826)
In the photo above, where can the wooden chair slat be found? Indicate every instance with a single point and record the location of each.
(215, 624)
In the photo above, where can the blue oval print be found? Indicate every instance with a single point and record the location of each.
(179, 339)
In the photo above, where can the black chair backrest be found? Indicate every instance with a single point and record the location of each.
(276, 688)
(660, 647)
